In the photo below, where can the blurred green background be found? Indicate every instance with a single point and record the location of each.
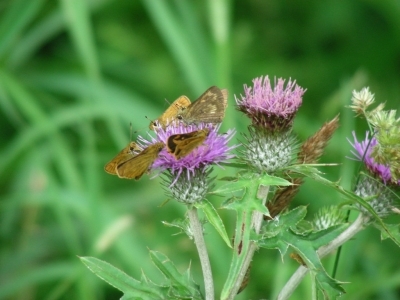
(75, 73)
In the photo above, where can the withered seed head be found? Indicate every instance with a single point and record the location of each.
(314, 146)
(282, 198)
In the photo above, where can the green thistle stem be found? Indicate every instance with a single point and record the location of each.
(197, 231)
(258, 217)
(256, 221)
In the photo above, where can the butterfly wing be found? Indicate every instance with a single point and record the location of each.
(181, 145)
(170, 113)
(208, 108)
(130, 151)
(138, 165)
(225, 96)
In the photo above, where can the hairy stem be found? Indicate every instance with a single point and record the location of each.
(257, 219)
(197, 231)
(298, 276)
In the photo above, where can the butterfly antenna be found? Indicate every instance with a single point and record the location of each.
(136, 131)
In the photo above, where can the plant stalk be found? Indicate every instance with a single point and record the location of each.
(257, 219)
(197, 231)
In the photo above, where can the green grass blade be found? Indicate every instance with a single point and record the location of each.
(174, 35)
(18, 15)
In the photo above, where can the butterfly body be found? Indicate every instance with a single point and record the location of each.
(170, 113)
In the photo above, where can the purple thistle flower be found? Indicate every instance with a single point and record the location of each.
(214, 150)
(363, 152)
(271, 108)
(188, 178)
(367, 187)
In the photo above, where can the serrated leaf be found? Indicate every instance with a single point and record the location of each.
(293, 217)
(238, 204)
(243, 182)
(270, 180)
(121, 281)
(215, 220)
(231, 187)
(271, 228)
(182, 224)
(303, 227)
(330, 287)
(305, 245)
(394, 230)
(163, 263)
(286, 221)
(182, 285)
(255, 205)
(274, 243)
(308, 252)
